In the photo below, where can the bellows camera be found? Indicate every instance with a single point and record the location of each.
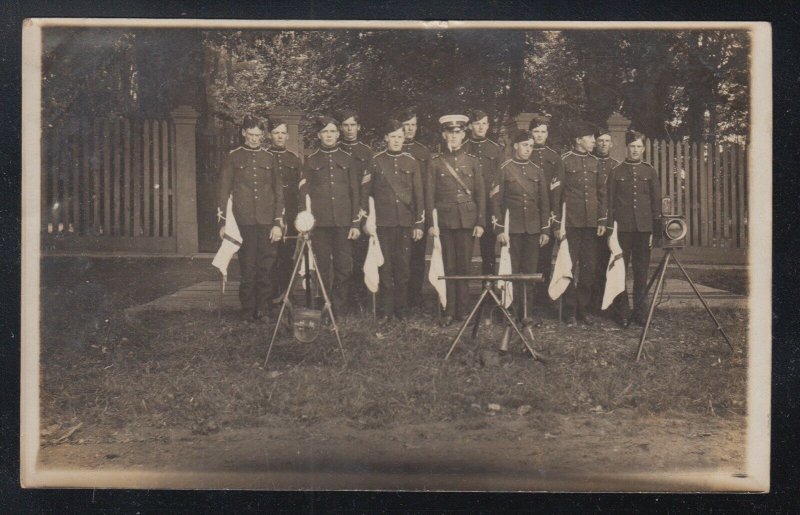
(673, 226)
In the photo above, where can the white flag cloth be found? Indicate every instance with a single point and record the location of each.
(505, 266)
(374, 258)
(562, 271)
(436, 269)
(231, 241)
(615, 273)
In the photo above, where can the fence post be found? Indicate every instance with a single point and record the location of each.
(185, 118)
(617, 126)
(292, 119)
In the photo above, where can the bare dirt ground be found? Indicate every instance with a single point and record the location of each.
(190, 392)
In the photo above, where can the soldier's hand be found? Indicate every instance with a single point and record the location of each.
(222, 232)
(543, 239)
(477, 232)
(275, 234)
(433, 231)
(354, 234)
(417, 234)
(601, 230)
(502, 238)
(560, 234)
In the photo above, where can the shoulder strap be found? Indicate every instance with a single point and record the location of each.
(456, 176)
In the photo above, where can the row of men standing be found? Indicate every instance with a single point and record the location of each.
(468, 184)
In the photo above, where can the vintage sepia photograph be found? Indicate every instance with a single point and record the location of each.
(430, 256)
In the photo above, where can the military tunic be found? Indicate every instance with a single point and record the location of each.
(489, 155)
(251, 178)
(331, 179)
(423, 156)
(362, 156)
(604, 166)
(634, 199)
(288, 165)
(393, 180)
(460, 209)
(550, 162)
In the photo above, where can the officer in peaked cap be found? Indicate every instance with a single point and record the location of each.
(550, 162)
(350, 126)
(585, 196)
(408, 117)
(288, 166)
(634, 202)
(394, 181)
(521, 188)
(455, 188)
(251, 179)
(489, 155)
(332, 181)
(605, 163)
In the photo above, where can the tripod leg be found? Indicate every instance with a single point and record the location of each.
(477, 322)
(659, 286)
(705, 305)
(284, 301)
(657, 272)
(516, 327)
(466, 322)
(327, 303)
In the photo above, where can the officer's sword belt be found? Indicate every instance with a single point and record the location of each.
(456, 177)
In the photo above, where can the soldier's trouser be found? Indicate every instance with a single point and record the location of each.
(636, 251)
(524, 260)
(457, 247)
(284, 263)
(603, 255)
(583, 251)
(358, 290)
(393, 289)
(256, 257)
(332, 249)
(417, 274)
(488, 256)
(545, 266)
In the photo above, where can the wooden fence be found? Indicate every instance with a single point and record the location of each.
(708, 185)
(109, 184)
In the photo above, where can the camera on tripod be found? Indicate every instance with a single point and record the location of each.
(673, 226)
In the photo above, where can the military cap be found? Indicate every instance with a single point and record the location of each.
(274, 123)
(539, 119)
(392, 125)
(406, 114)
(450, 122)
(476, 114)
(251, 122)
(601, 130)
(632, 136)
(323, 121)
(520, 135)
(581, 128)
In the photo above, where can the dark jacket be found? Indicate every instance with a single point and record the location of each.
(583, 191)
(289, 168)
(489, 155)
(395, 182)
(421, 153)
(550, 162)
(634, 197)
(251, 177)
(457, 207)
(331, 179)
(361, 154)
(521, 188)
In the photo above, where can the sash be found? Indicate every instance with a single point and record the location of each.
(515, 176)
(456, 176)
(405, 198)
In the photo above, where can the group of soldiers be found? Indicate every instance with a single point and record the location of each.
(465, 191)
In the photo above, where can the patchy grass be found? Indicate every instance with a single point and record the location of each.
(160, 371)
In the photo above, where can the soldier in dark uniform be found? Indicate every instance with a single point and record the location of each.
(489, 155)
(634, 197)
(604, 165)
(361, 153)
(585, 196)
(522, 188)
(288, 165)
(332, 181)
(550, 162)
(421, 153)
(455, 189)
(250, 176)
(395, 182)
